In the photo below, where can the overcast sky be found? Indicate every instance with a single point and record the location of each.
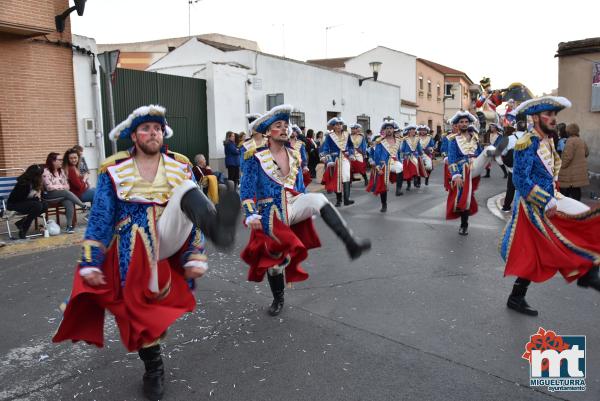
(511, 41)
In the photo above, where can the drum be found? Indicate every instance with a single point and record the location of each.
(427, 163)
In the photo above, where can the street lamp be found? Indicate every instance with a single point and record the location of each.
(59, 20)
(375, 66)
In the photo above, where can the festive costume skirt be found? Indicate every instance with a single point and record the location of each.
(536, 247)
(306, 177)
(264, 251)
(411, 168)
(358, 167)
(447, 176)
(141, 316)
(335, 176)
(462, 199)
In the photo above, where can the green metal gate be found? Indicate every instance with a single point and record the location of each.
(184, 98)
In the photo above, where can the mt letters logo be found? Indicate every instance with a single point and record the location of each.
(556, 362)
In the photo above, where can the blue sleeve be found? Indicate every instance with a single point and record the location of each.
(531, 192)
(101, 224)
(350, 146)
(303, 155)
(444, 146)
(363, 146)
(453, 158)
(419, 149)
(324, 150)
(248, 185)
(195, 247)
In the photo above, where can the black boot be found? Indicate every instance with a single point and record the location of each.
(590, 279)
(427, 181)
(383, 197)
(366, 179)
(355, 246)
(408, 182)
(503, 167)
(338, 199)
(487, 173)
(277, 284)
(155, 372)
(516, 300)
(417, 182)
(217, 223)
(347, 200)
(464, 224)
(399, 187)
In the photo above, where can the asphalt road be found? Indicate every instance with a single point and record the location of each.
(421, 317)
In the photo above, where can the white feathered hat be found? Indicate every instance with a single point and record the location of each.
(143, 114)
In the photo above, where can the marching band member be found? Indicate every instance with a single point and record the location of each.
(496, 135)
(337, 151)
(548, 232)
(279, 212)
(387, 167)
(359, 164)
(299, 147)
(412, 162)
(144, 245)
(428, 145)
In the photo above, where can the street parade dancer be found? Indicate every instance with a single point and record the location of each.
(548, 232)
(387, 165)
(299, 146)
(496, 135)
(336, 152)
(428, 146)
(144, 245)
(444, 151)
(412, 161)
(279, 212)
(359, 141)
(466, 161)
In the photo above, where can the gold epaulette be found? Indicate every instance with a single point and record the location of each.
(248, 153)
(451, 137)
(524, 142)
(179, 157)
(112, 160)
(378, 140)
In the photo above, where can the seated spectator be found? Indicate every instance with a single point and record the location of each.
(26, 198)
(83, 167)
(56, 185)
(206, 178)
(78, 183)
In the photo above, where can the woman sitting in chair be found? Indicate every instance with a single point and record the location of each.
(78, 182)
(26, 198)
(56, 186)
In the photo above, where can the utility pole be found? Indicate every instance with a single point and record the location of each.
(190, 15)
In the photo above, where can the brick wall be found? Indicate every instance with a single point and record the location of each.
(37, 96)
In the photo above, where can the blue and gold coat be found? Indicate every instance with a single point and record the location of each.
(118, 215)
(264, 189)
(461, 153)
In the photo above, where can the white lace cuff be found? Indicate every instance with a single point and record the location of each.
(196, 263)
(86, 271)
(252, 217)
(551, 204)
(455, 176)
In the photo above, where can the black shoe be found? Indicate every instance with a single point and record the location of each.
(383, 208)
(277, 284)
(366, 181)
(338, 199)
(22, 231)
(505, 210)
(518, 303)
(154, 377)
(505, 176)
(426, 181)
(487, 175)
(590, 279)
(463, 230)
(218, 223)
(354, 245)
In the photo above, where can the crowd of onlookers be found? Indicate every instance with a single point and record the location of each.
(61, 180)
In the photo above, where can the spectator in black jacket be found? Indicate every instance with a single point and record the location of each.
(26, 198)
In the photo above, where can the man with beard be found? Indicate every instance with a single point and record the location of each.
(548, 233)
(336, 152)
(463, 148)
(144, 244)
(279, 212)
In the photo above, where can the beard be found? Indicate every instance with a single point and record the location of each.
(546, 129)
(149, 148)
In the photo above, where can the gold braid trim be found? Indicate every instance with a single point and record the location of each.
(112, 160)
(524, 142)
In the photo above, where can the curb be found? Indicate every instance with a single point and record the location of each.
(494, 204)
(21, 247)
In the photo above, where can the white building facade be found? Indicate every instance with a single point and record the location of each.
(248, 81)
(88, 103)
(397, 68)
